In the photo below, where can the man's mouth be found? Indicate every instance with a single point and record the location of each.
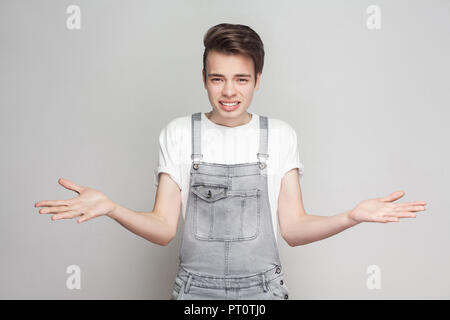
(229, 103)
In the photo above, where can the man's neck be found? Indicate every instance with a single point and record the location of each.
(247, 117)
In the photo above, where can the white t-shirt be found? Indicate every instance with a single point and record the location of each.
(228, 145)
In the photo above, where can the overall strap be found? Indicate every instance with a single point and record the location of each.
(196, 138)
(263, 140)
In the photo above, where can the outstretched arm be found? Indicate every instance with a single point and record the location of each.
(158, 226)
(299, 228)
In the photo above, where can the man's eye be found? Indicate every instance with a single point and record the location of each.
(245, 80)
(214, 79)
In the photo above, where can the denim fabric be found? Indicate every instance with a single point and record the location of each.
(228, 249)
(268, 285)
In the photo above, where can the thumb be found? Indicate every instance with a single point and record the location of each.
(393, 196)
(70, 185)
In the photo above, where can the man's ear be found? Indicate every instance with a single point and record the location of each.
(258, 80)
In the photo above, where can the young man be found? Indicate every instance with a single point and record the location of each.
(232, 173)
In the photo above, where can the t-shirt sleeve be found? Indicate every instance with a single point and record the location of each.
(169, 156)
(292, 155)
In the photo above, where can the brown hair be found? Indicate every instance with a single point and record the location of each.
(234, 39)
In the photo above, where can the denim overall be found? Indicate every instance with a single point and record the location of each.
(228, 249)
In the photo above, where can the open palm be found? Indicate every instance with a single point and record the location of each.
(89, 203)
(383, 210)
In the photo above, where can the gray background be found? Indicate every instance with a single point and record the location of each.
(370, 107)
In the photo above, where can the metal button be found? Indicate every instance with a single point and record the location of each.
(209, 194)
(195, 166)
(281, 282)
(286, 297)
(278, 270)
(262, 165)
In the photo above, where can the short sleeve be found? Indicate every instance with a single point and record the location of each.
(168, 158)
(291, 159)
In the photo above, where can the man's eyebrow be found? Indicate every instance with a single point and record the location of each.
(236, 75)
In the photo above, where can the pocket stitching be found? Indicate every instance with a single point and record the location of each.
(210, 204)
(220, 194)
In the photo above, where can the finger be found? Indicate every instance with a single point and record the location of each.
(411, 208)
(84, 218)
(404, 214)
(70, 185)
(415, 203)
(53, 203)
(393, 196)
(66, 215)
(388, 219)
(55, 209)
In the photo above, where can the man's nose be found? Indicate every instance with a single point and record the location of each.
(228, 89)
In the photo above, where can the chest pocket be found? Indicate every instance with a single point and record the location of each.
(220, 214)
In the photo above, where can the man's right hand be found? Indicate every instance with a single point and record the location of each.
(89, 203)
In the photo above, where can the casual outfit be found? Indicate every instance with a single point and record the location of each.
(229, 246)
(229, 145)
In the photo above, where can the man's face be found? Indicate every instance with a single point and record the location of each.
(230, 79)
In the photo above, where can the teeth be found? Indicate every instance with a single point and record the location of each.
(229, 104)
